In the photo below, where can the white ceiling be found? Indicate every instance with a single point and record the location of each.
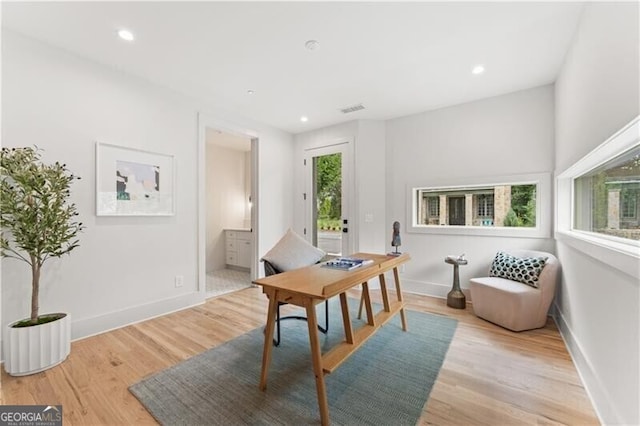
(394, 58)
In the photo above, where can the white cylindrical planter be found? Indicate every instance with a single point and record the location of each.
(29, 350)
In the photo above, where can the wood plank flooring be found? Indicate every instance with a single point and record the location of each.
(490, 376)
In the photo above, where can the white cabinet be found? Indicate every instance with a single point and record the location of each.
(238, 248)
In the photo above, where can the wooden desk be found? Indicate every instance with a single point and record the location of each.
(306, 287)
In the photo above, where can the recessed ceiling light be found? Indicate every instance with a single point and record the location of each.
(312, 44)
(126, 35)
(478, 69)
(250, 92)
(304, 119)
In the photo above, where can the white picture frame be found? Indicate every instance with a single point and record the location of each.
(133, 182)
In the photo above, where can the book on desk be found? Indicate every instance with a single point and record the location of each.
(347, 263)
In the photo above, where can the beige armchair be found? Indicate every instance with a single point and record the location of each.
(512, 304)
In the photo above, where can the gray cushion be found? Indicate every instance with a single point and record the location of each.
(293, 252)
(522, 269)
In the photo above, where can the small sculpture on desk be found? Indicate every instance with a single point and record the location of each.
(395, 239)
(456, 298)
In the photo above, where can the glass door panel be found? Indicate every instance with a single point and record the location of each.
(327, 232)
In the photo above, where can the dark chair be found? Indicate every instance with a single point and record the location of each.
(270, 269)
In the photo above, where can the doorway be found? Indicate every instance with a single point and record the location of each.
(227, 210)
(456, 210)
(327, 195)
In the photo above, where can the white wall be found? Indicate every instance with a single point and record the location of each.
(597, 93)
(276, 192)
(228, 193)
(374, 236)
(504, 135)
(124, 270)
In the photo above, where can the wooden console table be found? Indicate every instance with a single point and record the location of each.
(306, 287)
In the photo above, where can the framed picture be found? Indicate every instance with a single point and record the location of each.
(133, 182)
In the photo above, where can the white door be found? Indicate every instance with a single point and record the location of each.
(327, 198)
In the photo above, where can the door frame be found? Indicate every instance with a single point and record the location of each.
(206, 121)
(345, 147)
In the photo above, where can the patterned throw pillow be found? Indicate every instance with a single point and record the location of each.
(522, 269)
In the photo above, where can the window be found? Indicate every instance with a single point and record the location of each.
(485, 205)
(499, 205)
(629, 203)
(433, 206)
(429, 210)
(506, 206)
(606, 197)
(597, 202)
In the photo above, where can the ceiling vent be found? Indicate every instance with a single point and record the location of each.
(352, 108)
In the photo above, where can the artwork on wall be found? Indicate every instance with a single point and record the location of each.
(133, 182)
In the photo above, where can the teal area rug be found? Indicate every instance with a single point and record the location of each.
(386, 382)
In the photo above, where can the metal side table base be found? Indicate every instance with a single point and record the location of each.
(456, 298)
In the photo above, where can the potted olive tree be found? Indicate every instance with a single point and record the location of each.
(38, 223)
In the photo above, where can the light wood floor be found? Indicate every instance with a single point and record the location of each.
(490, 376)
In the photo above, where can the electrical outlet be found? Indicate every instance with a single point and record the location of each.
(179, 280)
(368, 218)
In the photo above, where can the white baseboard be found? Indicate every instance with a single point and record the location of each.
(596, 391)
(86, 327)
(429, 288)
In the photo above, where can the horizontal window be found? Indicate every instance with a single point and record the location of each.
(606, 198)
(598, 201)
(489, 206)
(500, 205)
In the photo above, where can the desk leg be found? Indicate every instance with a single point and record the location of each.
(367, 303)
(346, 319)
(383, 290)
(316, 356)
(403, 316)
(268, 337)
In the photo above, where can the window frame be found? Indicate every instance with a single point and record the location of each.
(543, 206)
(620, 253)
